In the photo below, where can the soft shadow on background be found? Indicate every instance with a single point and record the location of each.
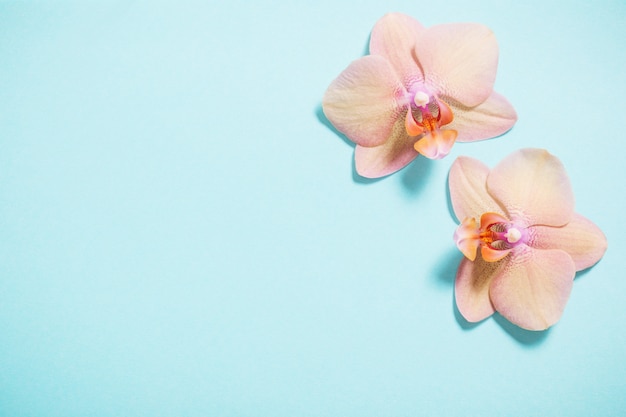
(444, 273)
(445, 268)
(416, 176)
(526, 338)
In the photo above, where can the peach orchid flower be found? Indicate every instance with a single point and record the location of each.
(521, 217)
(419, 91)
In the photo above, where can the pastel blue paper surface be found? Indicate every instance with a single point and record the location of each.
(182, 232)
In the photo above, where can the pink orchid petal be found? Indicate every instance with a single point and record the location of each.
(533, 288)
(534, 187)
(580, 238)
(468, 189)
(459, 61)
(396, 153)
(394, 37)
(436, 144)
(471, 288)
(489, 119)
(361, 101)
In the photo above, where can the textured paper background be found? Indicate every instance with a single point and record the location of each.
(182, 233)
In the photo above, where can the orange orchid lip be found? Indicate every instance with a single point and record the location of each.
(496, 236)
(432, 114)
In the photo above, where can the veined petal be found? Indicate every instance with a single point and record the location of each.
(361, 101)
(468, 189)
(459, 60)
(394, 37)
(489, 119)
(533, 288)
(396, 153)
(532, 185)
(471, 288)
(580, 238)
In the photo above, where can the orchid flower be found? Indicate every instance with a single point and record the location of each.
(419, 91)
(521, 217)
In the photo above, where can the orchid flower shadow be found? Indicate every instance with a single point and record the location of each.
(527, 338)
(415, 175)
(444, 273)
(449, 266)
(583, 272)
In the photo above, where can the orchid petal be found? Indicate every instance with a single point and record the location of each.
(489, 119)
(394, 37)
(580, 238)
(468, 189)
(533, 288)
(361, 101)
(471, 288)
(436, 144)
(533, 186)
(396, 153)
(459, 61)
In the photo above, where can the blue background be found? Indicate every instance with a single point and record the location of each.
(182, 232)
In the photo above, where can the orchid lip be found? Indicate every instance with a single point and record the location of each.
(496, 236)
(425, 122)
(425, 111)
